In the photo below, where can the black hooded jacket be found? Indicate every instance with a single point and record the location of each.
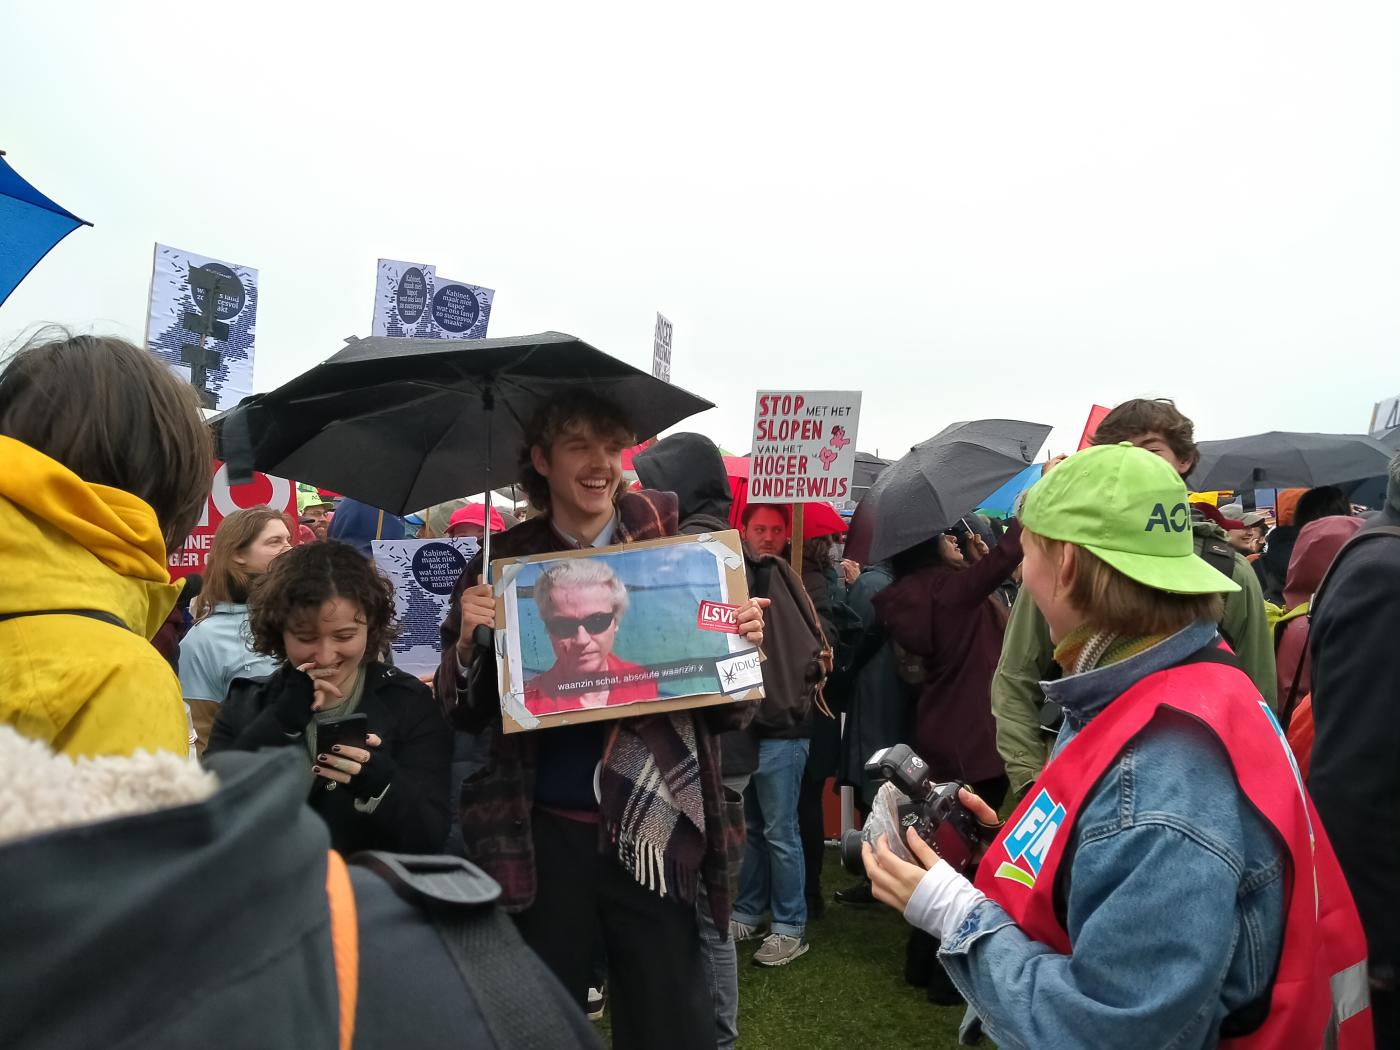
(691, 466)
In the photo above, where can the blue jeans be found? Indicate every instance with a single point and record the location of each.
(773, 879)
(720, 957)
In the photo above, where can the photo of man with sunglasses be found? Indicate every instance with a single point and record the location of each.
(581, 603)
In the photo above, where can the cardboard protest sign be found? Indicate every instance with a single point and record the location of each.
(224, 499)
(412, 301)
(200, 322)
(1385, 417)
(661, 349)
(613, 632)
(423, 573)
(804, 445)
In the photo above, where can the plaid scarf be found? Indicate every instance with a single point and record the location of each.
(652, 802)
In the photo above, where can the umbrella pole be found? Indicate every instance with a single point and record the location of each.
(483, 637)
(798, 513)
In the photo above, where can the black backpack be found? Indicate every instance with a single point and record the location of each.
(798, 655)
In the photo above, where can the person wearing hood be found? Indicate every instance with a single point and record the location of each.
(1027, 656)
(692, 466)
(1317, 544)
(150, 902)
(1296, 509)
(95, 491)
(1355, 777)
(359, 525)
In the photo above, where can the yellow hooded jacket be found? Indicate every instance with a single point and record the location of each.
(84, 686)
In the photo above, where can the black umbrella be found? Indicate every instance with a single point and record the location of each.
(1283, 459)
(939, 481)
(406, 423)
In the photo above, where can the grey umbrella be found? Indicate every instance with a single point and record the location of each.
(938, 482)
(1284, 459)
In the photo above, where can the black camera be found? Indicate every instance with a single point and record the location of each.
(911, 798)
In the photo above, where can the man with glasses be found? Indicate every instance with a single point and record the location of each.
(581, 603)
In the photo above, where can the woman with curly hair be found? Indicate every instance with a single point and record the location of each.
(326, 614)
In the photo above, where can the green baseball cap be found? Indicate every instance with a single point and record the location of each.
(1129, 508)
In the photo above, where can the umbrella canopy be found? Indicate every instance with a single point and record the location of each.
(941, 480)
(1283, 459)
(1002, 502)
(30, 224)
(408, 423)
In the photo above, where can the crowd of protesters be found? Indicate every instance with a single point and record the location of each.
(1153, 701)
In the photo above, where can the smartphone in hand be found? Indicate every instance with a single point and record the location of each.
(351, 730)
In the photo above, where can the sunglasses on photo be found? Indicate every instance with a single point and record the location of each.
(567, 627)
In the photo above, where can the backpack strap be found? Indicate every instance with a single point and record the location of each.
(91, 614)
(508, 982)
(345, 943)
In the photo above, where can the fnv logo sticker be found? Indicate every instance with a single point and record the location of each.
(716, 616)
(1029, 842)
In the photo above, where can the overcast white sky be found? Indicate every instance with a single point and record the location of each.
(964, 210)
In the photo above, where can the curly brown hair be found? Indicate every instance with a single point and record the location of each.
(299, 582)
(575, 409)
(1157, 415)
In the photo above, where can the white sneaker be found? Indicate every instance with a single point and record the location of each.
(597, 1003)
(742, 931)
(779, 950)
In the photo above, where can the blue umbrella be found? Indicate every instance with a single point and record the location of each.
(30, 224)
(1002, 502)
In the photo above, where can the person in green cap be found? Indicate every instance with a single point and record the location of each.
(1167, 882)
(315, 509)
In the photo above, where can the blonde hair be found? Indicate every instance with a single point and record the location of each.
(1113, 602)
(578, 572)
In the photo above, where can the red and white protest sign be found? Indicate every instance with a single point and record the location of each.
(716, 616)
(804, 445)
(224, 499)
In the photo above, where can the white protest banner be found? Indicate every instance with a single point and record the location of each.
(200, 322)
(661, 349)
(224, 499)
(423, 573)
(1385, 416)
(412, 301)
(804, 445)
(402, 293)
(460, 310)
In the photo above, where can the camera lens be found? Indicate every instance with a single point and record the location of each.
(851, 858)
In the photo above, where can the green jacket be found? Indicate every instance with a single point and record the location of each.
(1027, 655)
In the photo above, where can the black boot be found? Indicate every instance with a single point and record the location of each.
(856, 895)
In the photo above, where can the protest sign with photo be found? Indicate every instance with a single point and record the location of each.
(200, 322)
(412, 301)
(804, 445)
(613, 632)
(661, 349)
(423, 573)
(224, 499)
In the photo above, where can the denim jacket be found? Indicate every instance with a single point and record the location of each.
(1171, 888)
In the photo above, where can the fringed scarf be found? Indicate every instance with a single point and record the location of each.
(653, 802)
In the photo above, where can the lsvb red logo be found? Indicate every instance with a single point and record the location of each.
(716, 616)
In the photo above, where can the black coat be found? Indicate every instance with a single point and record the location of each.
(1355, 778)
(412, 817)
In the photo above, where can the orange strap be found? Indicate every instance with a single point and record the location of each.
(345, 943)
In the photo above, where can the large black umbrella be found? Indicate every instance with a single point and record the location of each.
(1284, 459)
(938, 482)
(406, 423)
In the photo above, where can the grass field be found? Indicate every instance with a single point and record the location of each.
(847, 993)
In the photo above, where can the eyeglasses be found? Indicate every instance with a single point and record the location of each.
(566, 626)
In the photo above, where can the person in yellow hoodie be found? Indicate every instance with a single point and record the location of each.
(104, 466)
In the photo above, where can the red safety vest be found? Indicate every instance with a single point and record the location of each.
(1321, 992)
